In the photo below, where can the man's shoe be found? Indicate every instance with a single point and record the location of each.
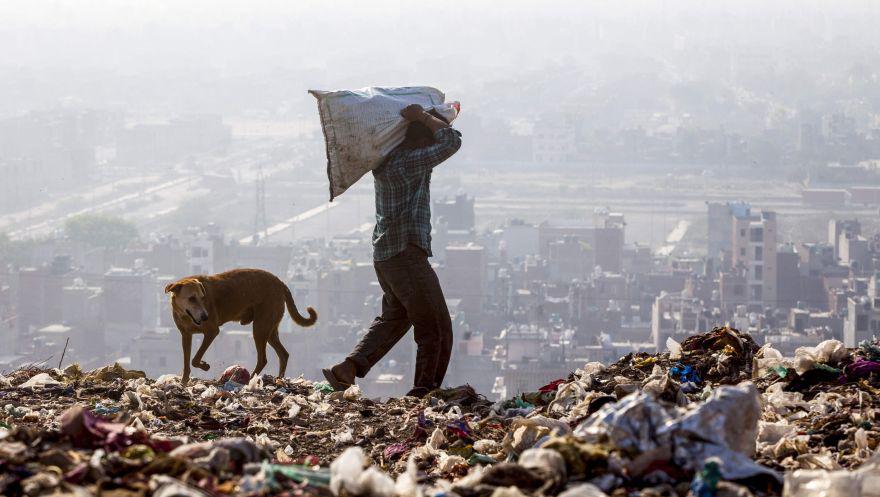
(336, 383)
(341, 376)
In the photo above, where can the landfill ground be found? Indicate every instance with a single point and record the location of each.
(715, 415)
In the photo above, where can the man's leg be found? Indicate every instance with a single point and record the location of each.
(426, 310)
(385, 331)
(444, 323)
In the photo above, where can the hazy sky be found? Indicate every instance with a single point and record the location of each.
(210, 52)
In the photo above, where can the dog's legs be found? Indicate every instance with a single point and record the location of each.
(262, 332)
(186, 340)
(275, 342)
(260, 341)
(210, 335)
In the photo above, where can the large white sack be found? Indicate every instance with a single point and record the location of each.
(361, 127)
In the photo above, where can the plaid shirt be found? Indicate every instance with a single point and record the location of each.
(403, 199)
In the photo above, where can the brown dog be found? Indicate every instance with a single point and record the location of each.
(201, 304)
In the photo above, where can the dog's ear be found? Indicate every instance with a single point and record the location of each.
(201, 288)
(173, 287)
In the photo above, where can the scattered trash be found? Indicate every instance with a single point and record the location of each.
(715, 416)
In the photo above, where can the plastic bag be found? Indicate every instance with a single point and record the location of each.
(674, 349)
(549, 464)
(864, 482)
(768, 359)
(828, 352)
(41, 380)
(361, 127)
(524, 433)
(352, 393)
(166, 380)
(724, 426)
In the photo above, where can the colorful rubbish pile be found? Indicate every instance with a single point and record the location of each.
(715, 415)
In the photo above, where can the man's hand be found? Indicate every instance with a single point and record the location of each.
(413, 112)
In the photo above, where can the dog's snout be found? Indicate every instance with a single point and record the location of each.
(203, 316)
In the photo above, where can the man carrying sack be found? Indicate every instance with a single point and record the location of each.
(401, 247)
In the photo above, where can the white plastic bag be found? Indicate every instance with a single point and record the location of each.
(674, 349)
(361, 127)
(345, 470)
(40, 380)
(864, 482)
(828, 352)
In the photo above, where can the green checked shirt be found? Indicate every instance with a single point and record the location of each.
(403, 197)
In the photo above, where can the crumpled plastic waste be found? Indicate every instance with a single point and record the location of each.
(546, 463)
(684, 373)
(724, 426)
(40, 380)
(349, 472)
(829, 352)
(352, 393)
(864, 482)
(524, 433)
(674, 349)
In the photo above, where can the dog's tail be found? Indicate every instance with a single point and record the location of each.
(294, 313)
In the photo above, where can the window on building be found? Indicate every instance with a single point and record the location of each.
(742, 252)
(862, 322)
(757, 292)
(757, 234)
(759, 253)
(738, 290)
(875, 326)
(759, 272)
(742, 233)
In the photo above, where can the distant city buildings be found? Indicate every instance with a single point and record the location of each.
(528, 301)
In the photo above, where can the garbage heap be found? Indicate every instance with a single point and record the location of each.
(715, 415)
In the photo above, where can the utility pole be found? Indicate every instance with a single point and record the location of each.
(260, 223)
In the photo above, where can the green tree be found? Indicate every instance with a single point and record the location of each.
(100, 230)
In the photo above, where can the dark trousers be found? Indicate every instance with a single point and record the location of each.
(413, 297)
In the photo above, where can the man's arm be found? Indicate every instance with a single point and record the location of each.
(447, 141)
(415, 113)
